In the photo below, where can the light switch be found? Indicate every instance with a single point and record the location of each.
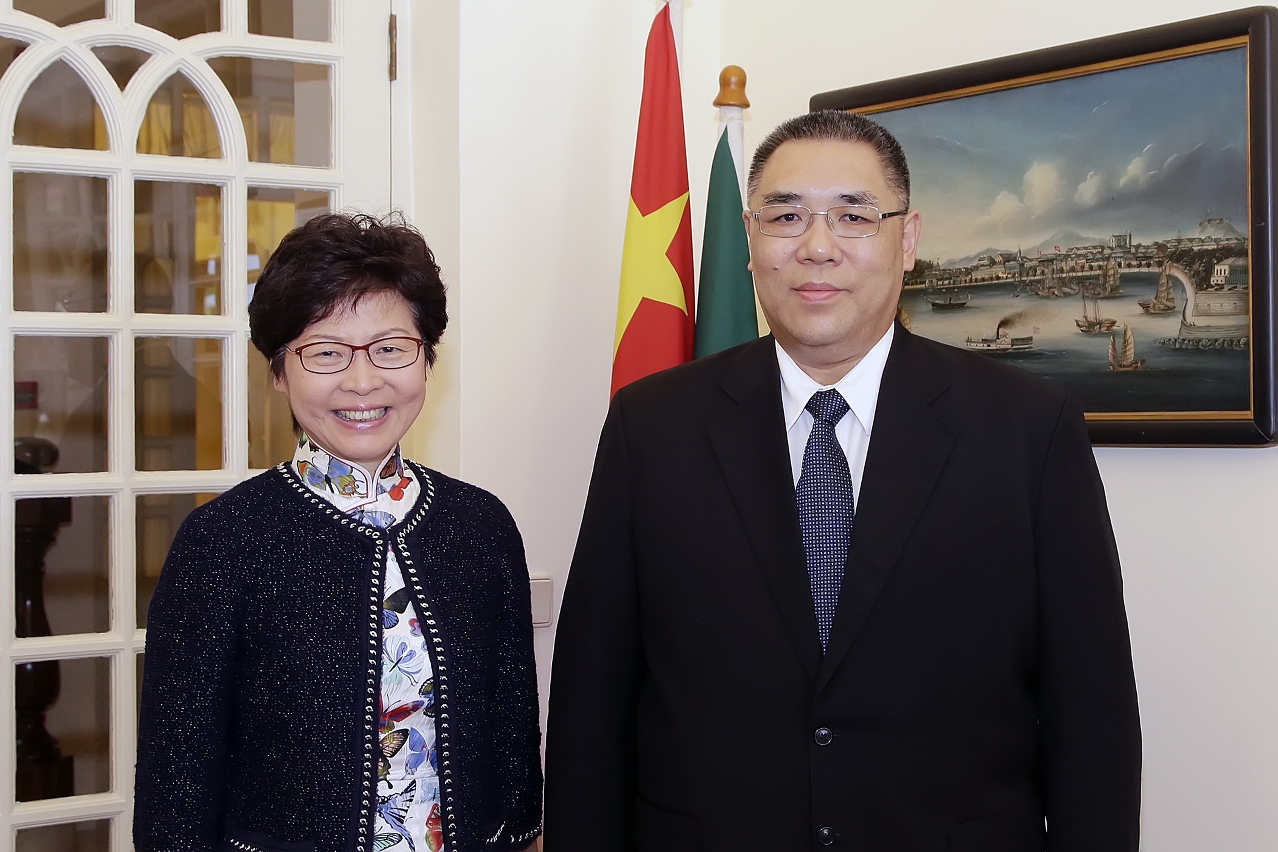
(543, 597)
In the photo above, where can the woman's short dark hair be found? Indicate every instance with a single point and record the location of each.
(333, 261)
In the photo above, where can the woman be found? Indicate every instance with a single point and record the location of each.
(339, 651)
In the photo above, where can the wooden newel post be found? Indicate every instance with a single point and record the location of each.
(43, 771)
(732, 81)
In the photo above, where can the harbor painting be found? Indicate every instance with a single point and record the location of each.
(1093, 229)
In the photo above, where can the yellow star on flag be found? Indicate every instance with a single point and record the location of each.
(646, 272)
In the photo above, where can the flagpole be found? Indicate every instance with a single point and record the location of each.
(726, 313)
(732, 102)
(676, 27)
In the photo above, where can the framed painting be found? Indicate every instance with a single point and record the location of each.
(1101, 214)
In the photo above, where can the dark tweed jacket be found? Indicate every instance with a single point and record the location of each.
(263, 660)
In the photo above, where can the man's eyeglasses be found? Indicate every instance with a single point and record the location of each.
(852, 220)
(389, 353)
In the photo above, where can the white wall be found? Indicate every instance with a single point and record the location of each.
(535, 105)
(426, 185)
(533, 124)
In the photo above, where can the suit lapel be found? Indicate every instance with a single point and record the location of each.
(908, 450)
(749, 441)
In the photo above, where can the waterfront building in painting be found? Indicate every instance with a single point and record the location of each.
(1230, 273)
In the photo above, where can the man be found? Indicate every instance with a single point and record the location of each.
(842, 587)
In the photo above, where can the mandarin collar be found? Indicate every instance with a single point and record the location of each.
(347, 485)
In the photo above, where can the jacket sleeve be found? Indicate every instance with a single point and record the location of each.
(1089, 726)
(518, 720)
(187, 693)
(591, 760)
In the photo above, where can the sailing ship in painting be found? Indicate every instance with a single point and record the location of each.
(1109, 280)
(1164, 302)
(1124, 361)
(1092, 322)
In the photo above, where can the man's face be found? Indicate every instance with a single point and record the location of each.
(829, 299)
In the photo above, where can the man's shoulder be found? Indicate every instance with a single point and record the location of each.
(977, 393)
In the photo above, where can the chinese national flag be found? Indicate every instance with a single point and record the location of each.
(655, 313)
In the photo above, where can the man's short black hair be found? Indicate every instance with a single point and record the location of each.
(839, 126)
(329, 264)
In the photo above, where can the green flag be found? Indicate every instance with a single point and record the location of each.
(725, 303)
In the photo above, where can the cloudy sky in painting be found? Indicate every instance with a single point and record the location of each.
(1152, 150)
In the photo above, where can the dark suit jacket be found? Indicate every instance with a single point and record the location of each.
(978, 677)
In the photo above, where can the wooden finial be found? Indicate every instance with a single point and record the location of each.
(732, 80)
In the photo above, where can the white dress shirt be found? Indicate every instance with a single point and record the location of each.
(859, 388)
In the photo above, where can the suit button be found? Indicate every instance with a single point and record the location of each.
(825, 836)
(823, 736)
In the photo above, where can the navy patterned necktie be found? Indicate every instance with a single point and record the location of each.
(826, 506)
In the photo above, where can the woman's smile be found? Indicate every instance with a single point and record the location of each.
(361, 414)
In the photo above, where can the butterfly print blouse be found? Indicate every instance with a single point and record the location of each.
(408, 809)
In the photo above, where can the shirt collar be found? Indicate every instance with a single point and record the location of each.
(860, 387)
(345, 484)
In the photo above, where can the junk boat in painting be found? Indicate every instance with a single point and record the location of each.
(1126, 361)
(1164, 302)
(1109, 280)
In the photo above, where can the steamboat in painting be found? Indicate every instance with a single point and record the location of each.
(1002, 342)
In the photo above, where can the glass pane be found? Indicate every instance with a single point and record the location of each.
(272, 213)
(63, 12)
(178, 18)
(178, 403)
(285, 108)
(59, 243)
(59, 111)
(177, 251)
(60, 565)
(121, 62)
(92, 836)
(306, 19)
(60, 404)
(158, 519)
(271, 436)
(61, 727)
(62, 721)
(9, 50)
(178, 123)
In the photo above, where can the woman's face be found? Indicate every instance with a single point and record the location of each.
(361, 413)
